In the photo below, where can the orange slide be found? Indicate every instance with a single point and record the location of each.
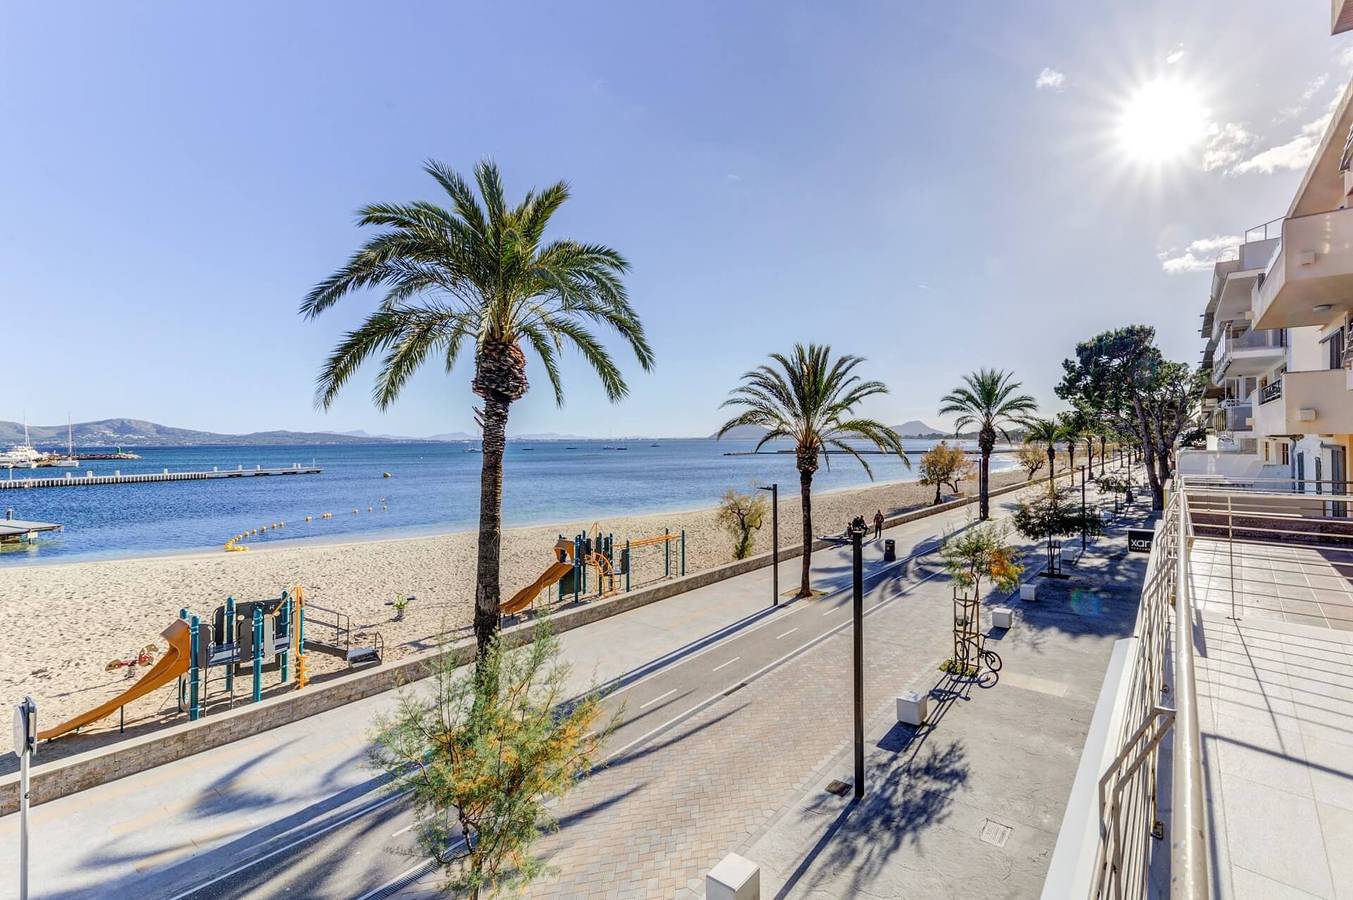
(526, 595)
(173, 664)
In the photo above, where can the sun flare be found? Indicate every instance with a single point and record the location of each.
(1162, 121)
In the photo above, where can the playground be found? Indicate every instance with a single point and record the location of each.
(241, 652)
(594, 566)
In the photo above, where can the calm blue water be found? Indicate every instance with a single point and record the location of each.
(433, 488)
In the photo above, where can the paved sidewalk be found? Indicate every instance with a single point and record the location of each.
(970, 804)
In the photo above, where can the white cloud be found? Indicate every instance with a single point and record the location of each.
(1050, 79)
(1175, 55)
(1197, 256)
(1225, 145)
(1346, 57)
(1295, 154)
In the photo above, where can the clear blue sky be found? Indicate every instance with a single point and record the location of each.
(932, 185)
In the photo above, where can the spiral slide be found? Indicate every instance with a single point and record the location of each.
(170, 666)
(526, 595)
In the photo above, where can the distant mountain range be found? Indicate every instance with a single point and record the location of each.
(911, 429)
(140, 433)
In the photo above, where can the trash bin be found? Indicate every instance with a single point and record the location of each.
(889, 550)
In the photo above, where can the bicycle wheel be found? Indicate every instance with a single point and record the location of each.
(992, 660)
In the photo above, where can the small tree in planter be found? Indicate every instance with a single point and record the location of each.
(483, 757)
(1055, 515)
(981, 553)
(944, 465)
(742, 516)
(1031, 460)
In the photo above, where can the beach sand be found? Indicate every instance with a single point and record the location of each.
(64, 622)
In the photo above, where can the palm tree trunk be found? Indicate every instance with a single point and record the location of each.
(487, 594)
(1071, 459)
(1101, 456)
(806, 502)
(984, 484)
(1052, 469)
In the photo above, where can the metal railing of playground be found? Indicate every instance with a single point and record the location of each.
(1161, 671)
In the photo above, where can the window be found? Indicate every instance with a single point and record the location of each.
(1282, 454)
(1336, 349)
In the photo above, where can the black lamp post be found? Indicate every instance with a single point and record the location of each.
(856, 541)
(774, 541)
(1082, 509)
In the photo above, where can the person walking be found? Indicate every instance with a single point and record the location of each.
(878, 524)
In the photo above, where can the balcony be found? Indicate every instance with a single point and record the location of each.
(1313, 268)
(1252, 352)
(1317, 402)
(1234, 276)
(1341, 16)
(1235, 416)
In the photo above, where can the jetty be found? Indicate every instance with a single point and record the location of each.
(71, 480)
(13, 531)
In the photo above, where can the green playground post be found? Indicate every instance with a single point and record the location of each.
(229, 640)
(286, 630)
(683, 551)
(258, 653)
(194, 673)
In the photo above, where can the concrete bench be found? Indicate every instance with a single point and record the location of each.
(1002, 617)
(911, 708)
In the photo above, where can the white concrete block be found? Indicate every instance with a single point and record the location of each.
(1002, 617)
(1028, 590)
(911, 708)
(734, 878)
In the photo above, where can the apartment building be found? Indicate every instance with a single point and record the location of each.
(1277, 321)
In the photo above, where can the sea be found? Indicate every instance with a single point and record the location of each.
(432, 488)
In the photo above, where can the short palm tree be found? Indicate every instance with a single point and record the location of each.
(1046, 432)
(479, 274)
(990, 401)
(1071, 434)
(810, 398)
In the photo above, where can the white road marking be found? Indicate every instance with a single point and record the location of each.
(786, 634)
(729, 663)
(285, 847)
(659, 697)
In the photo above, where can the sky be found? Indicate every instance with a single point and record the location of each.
(931, 185)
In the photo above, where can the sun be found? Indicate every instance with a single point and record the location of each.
(1163, 120)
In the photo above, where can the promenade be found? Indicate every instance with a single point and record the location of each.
(733, 713)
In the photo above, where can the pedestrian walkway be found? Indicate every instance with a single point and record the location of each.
(969, 804)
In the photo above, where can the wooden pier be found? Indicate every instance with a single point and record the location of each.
(150, 477)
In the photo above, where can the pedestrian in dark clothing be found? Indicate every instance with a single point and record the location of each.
(878, 524)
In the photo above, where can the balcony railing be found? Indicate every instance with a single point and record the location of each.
(1271, 391)
(1238, 417)
(1160, 671)
(1257, 339)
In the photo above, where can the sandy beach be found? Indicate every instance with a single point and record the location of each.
(65, 622)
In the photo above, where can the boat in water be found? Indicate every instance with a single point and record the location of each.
(21, 456)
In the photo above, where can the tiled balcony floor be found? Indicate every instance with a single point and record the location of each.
(1299, 585)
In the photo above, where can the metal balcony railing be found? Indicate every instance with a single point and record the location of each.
(1160, 673)
(1257, 339)
(1271, 391)
(1238, 416)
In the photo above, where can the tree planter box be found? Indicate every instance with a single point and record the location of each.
(734, 878)
(911, 708)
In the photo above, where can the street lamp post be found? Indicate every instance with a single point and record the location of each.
(774, 489)
(1082, 509)
(857, 567)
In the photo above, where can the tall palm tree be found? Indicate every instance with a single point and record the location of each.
(479, 274)
(1071, 435)
(989, 400)
(1047, 432)
(810, 399)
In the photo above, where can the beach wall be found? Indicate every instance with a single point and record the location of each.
(60, 777)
